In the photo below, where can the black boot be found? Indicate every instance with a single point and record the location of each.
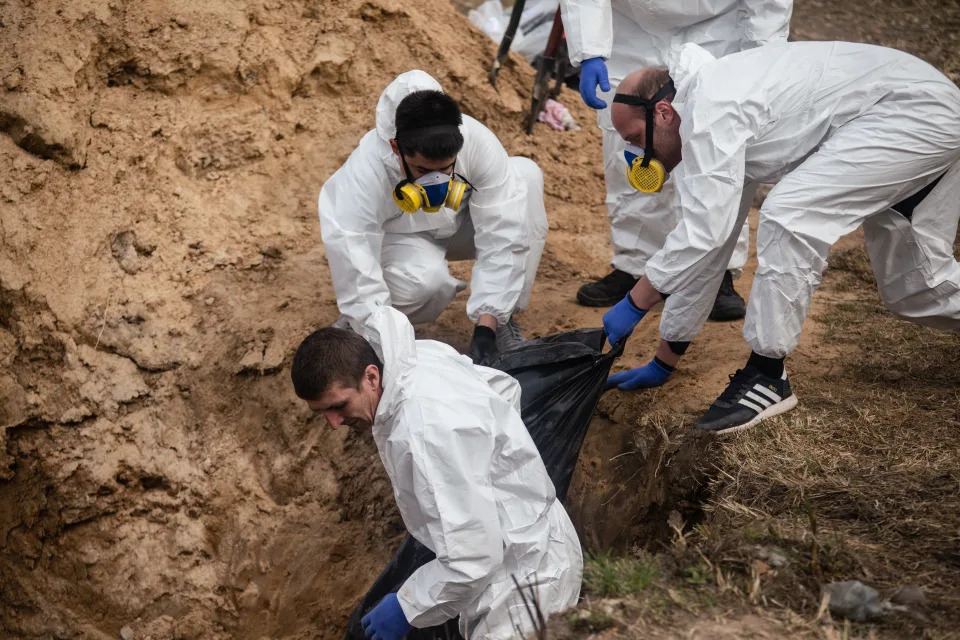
(728, 305)
(607, 291)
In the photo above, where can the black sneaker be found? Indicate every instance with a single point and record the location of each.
(607, 291)
(749, 398)
(728, 305)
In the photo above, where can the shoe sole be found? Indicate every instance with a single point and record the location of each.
(584, 301)
(781, 407)
(728, 318)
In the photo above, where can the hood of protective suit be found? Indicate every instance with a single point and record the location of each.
(404, 84)
(393, 340)
(391, 335)
(684, 64)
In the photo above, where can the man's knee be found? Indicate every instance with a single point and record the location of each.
(414, 289)
(937, 307)
(528, 171)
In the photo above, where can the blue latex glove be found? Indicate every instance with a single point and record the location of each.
(386, 620)
(621, 319)
(652, 374)
(593, 72)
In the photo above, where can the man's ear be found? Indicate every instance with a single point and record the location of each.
(371, 376)
(665, 111)
(393, 145)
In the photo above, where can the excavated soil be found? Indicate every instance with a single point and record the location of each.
(160, 260)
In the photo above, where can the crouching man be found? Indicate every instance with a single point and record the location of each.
(467, 478)
(429, 185)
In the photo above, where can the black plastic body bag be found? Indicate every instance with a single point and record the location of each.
(561, 377)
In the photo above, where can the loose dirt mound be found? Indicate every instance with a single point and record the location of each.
(159, 261)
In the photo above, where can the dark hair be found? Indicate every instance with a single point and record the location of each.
(651, 82)
(428, 123)
(328, 356)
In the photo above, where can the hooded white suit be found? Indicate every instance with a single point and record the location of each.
(470, 486)
(380, 255)
(631, 34)
(849, 131)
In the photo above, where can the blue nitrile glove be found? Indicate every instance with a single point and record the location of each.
(593, 72)
(652, 374)
(386, 620)
(621, 319)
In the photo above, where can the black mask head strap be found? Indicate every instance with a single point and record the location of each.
(648, 105)
(406, 180)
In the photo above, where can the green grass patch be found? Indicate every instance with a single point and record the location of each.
(606, 575)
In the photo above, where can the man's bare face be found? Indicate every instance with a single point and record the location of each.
(345, 405)
(630, 123)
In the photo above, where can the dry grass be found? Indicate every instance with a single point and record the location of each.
(861, 481)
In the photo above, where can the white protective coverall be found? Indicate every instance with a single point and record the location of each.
(849, 131)
(631, 34)
(470, 485)
(379, 255)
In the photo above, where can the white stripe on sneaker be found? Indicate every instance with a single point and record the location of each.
(770, 394)
(785, 405)
(747, 403)
(763, 401)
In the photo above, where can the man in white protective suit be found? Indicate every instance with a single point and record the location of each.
(610, 38)
(853, 135)
(426, 186)
(466, 475)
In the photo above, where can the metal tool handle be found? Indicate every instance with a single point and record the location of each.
(548, 63)
(507, 40)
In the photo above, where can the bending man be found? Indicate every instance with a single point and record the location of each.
(855, 134)
(426, 186)
(609, 39)
(466, 476)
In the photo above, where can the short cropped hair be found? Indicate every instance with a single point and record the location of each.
(428, 123)
(328, 356)
(652, 82)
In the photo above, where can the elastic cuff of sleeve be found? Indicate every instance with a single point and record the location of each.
(678, 347)
(501, 316)
(409, 610)
(660, 363)
(662, 295)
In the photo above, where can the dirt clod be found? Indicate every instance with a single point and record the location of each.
(854, 601)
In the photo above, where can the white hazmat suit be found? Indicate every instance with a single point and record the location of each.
(470, 486)
(633, 34)
(379, 255)
(847, 131)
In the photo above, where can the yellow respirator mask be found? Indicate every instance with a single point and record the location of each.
(429, 192)
(432, 190)
(644, 172)
(647, 178)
